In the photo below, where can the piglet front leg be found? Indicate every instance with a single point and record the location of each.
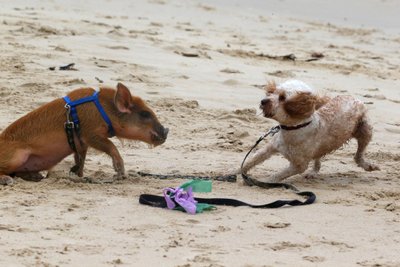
(105, 145)
(79, 156)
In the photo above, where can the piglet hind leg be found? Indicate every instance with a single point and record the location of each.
(6, 180)
(11, 158)
(105, 145)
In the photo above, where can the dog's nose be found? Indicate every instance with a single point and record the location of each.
(264, 101)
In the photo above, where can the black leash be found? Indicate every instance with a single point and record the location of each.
(225, 178)
(159, 201)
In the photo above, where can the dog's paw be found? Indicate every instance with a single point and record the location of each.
(311, 175)
(368, 166)
(120, 176)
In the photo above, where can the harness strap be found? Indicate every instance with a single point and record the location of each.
(93, 98)
(103, 114)
(69, 129)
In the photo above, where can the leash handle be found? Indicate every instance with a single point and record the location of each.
(160, 202)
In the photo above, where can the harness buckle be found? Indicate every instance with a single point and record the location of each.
(69, 125)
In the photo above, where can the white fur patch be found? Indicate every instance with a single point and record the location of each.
(293, 86)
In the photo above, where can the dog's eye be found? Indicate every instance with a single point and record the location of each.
(145, 114)
(282, 97)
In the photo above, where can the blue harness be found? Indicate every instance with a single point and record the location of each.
(72, 113)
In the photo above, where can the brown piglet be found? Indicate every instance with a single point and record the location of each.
(38, 140)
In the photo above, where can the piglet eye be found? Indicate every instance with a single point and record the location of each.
(145, 114)
(282, 97)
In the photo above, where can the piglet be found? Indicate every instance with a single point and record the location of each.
(38, 140)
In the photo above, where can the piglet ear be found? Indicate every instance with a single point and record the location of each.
(123, 99)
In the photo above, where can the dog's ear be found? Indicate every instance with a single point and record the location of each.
(301, 105)
(270, 87)
(320, 101)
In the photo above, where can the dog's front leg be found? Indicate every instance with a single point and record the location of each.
(312, 174)
(260, 156)
(293, 169)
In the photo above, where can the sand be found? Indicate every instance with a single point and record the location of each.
(201, 66)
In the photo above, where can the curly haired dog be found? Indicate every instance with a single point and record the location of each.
(311, 127)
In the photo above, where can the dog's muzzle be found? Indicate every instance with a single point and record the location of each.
(266, 107)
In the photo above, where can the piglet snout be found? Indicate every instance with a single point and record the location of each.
(165, 134)
(160, 135)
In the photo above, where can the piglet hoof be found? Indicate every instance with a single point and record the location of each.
(30, 176)
(6, 180)
(74, 169)
(372, 167)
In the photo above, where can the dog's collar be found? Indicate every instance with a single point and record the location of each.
(291, 128)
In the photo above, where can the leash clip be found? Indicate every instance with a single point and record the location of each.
(68, 124)
(274, 130)
(271, 132)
